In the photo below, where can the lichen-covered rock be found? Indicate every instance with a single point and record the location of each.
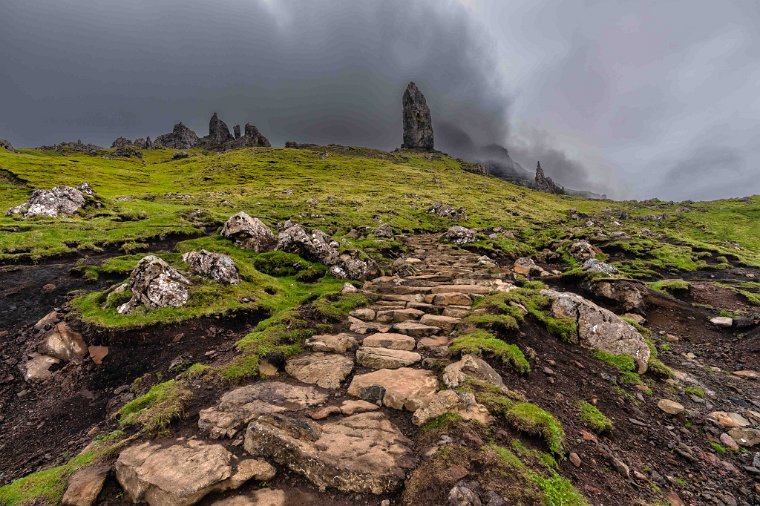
(216, 266)
(184, 472)
(594, 265)
(459, 235)
(446, 211)
(61, 200)
(362, 453)
(349, 267)
(155, 284)
(599, 328)
(418, 126)
(315, 245)
(250, 233)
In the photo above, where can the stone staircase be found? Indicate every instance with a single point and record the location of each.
(335, 432)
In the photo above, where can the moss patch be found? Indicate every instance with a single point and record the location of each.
(480, 342)
(593, 418)
(156, 409)
(531, 419)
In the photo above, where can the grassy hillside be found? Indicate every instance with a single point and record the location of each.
(338, 189)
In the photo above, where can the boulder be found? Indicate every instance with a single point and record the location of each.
(459, 235)
(470, 367)
(418, 126)
(449, 401)
(525, 266)
(58, 201)
(63, 343)
(385, 358)
(180, 137)
(599, 328)
(327, 370)
(446, 211)
(594, 265)
(155, 284)
(630, 295)
(349, 267)
(6, 145)
(582, 250)
(216, 266)
(250, 233)
(184, 472)
(315, 246)
(218, 131)
(362, 453)
(385, 231)
(337, 343)
(85, 485)
(402, 388)
(241, 405)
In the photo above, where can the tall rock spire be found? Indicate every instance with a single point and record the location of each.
(418, 126)
(545, 184)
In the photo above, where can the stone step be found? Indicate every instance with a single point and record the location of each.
(364, 313)
(398, 315)
(416, 329)
(424, 306)
(402, 298)
(362, 327)
(456, 311)
(449, 299)
(469, 289)
(389, 340)
(386, 358)
(436, 345)
(383, 305)
(333, 343)
(445, 323)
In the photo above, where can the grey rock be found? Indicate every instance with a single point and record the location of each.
(385, 230)
(594, 265)
(418, 126)
(545, 184)
(250, 233)
(255, 138)
(218, 131)
(582, 250)
(314, 246)
(180, 137)
(61, 200)
(236, 131)
(155, 284)
(461, 495)
(216, 266)
(446, 211)
(459, 235)
(6, 145)
(630, 295)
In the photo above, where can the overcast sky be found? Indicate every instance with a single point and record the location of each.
(634, 98)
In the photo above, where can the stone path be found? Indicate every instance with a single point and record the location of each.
(334, 431)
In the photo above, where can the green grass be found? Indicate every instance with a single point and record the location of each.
(718, 448)
(695, 391)
(157, 408)
(593, 418)
(673, 286)
(441, 422)
(480, 342)
(531, 419)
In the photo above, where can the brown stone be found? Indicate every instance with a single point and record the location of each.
(389, 340)
(415, 329)
(97, 353)
(326, 370)
(385, 358)
(85, 485)
(402, 388)
(63, 343)
(338, 343)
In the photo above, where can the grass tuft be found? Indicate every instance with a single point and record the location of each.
(593, 418)
(480, 342)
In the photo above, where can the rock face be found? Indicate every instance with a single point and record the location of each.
(216, 266)
(599, 328)
(218, 131)
(61, 200)
(6, 145)
(154, 284)
(418, 126)
(250, 233)
(240, 406)
(460, 235)
(254, 138)
(362, 453)
(184, 473)
(545, 184)
(180, 137)
(327, 370)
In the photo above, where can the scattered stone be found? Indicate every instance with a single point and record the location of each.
(728, 441)
(216, 266)
(728, 420)
(418, 126)
(461, 495)
(594, 265)
(459, 235)
(155, 284)
(446, 211)
(338, 343)
(326, 370)
(250, 233)
(722, 321)
(470, 367)
(746, 437)
(575, 459)
(48, 288)
(670, 407)
(37, 367)
(348, 288)
(241, 405)
(401, 388)
(85, 485)
(183, 473)
(599, 328)
(362, 453)
(61, 200)
(746, 374)
(48, 321)
(389, 340)
(385, 358)
(63, 343)
(449, 401)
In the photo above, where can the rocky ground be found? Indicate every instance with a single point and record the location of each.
(403, 401)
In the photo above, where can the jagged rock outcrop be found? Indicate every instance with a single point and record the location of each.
(250, 233)
(180, 137)
(6, 145)
(61, 200)
(155, 284)
(75, 147)
(236, 131)
(599, 328)
(218, 132)
(254, 138)
(120, 142)
(545, 184)
(418, 126)
(216, 266)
